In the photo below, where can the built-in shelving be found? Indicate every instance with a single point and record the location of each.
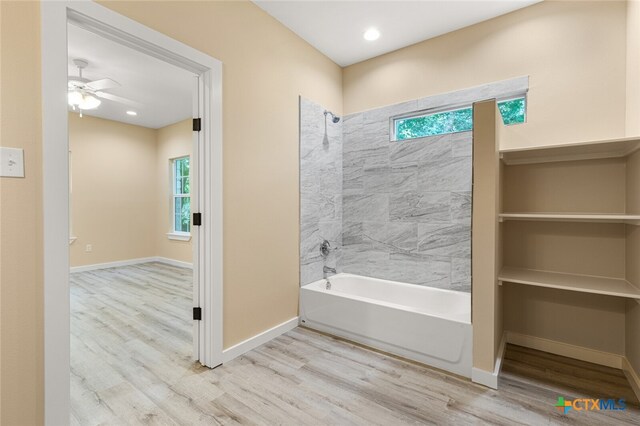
(571, 207)
(628, 219)
(582, 283)
(610, 148)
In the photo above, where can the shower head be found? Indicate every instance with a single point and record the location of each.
(334, 118)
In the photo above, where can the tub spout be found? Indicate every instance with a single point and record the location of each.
(326, 271)
(325, 274)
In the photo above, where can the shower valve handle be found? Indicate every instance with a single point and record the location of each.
(325, 248)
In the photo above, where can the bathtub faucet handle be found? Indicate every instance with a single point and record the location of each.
(325, 248)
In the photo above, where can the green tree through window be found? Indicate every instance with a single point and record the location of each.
(512, 111)
(459, 120)
(181, 195)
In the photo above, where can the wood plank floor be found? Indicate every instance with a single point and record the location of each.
(130, 364)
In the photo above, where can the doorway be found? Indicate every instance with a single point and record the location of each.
(206, 182)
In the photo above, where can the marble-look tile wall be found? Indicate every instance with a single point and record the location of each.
(407, 204)
(404, 213)
(320, 190)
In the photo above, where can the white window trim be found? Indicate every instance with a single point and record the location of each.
(520, 91)
(173, 231)
(449, 108)
(179, 236)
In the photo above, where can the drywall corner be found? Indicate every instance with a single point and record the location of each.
(633, 376)
(485, 260)
(632, 120)
(632, 330)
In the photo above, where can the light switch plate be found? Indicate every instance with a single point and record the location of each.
(11, 162)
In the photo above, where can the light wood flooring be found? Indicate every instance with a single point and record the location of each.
(130, 364)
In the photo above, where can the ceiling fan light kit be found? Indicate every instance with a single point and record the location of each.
(79, 100)
(83, 93)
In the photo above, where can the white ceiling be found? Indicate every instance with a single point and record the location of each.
(335, 28)
(163, 91)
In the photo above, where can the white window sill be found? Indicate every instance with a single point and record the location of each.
(179, 236)
(72, 240)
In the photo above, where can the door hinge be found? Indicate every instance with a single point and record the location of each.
(197, 314)
(197, 219)
(197, 124)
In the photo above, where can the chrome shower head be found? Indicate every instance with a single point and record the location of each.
(334, 118)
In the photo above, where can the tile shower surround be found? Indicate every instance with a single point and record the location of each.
(395, 210)
(405, 209)
(406, 204)
(320, 190)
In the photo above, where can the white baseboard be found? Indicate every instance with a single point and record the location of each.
(259, 339)
(632, 376)
(112, 264)
(173, 262)
(485, 378)
(607, 359)
(501, 351)
(128, 262)
(490, 379)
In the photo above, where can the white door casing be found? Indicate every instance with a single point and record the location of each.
(208, 238)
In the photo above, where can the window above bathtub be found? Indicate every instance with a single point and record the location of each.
(422, 124)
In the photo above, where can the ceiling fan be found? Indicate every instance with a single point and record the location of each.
(83, 94)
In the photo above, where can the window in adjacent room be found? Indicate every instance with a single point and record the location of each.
(513, 111)
(181, 216)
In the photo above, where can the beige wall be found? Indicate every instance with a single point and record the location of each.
(172, 142)
(574, 53)
(21, 293)
(486, 311)
(633, 264)
(633, 67)
(632, 341)
(596, 186)
(632, 332)
(633, 184)
(114, 190)
(577, 50)
(121, 195)
(580, 319)
(583, 80)
(266, 67)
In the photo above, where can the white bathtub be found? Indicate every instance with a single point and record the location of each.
(428, 325)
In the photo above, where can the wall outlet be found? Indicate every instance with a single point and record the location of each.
(88, 248)
(11, 162)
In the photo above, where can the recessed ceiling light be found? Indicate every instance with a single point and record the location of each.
(371, 34)
(132, 113)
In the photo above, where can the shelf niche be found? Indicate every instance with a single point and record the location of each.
(583, 283)
(628, 219)
(570, 247)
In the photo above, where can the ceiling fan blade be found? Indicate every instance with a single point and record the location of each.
(103, 84)
(119, 99)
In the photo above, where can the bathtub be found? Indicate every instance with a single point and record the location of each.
(424, 324)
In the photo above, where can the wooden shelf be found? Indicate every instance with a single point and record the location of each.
(629, 219)
(582, 283)
(610, 148)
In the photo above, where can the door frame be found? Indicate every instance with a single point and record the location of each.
(55, 146)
